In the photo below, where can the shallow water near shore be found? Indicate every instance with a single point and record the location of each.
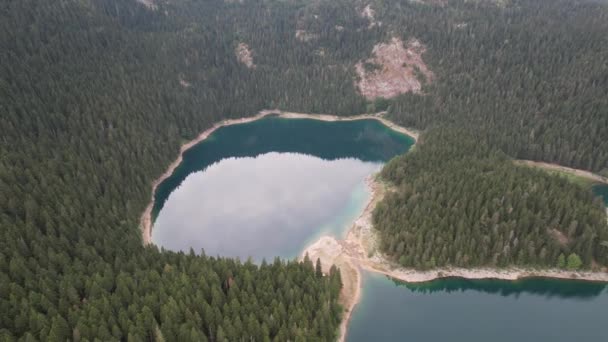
(269, 187)
(456, 309)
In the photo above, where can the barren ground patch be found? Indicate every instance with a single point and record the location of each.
(369, 13)
(244, 55)
(148, 3)
(394, 68)
(305, 36)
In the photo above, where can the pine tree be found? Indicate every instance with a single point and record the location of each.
(60, 330)
(318, 269)
(561, 261)
(574, 262)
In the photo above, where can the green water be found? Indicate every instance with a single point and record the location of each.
(602, 191)
(270, 187)
(456, 309)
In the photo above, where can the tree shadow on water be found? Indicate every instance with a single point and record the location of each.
(547, 287)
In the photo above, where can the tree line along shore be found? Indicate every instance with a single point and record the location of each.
(97, 96)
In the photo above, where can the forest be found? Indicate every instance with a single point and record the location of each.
(92, 111)
(458, 202)
(97, 96)
(530, 78)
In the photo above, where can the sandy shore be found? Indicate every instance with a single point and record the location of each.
(349, 254)
(359, 251)
(334, 252)
(377, 116)
(146, 217)
(414, 276)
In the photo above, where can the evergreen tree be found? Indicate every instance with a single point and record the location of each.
(459, 202)
(574, 262)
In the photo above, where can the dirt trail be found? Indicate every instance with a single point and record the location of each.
(555, 167)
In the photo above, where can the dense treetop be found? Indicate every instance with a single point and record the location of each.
(530, 78)
(92, 110)
(459, 203)
(97, 95)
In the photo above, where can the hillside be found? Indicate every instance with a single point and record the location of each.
(529, 78)
(96, 97)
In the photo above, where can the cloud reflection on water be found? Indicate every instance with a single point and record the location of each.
(260, 206)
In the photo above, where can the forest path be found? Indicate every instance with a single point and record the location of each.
(556, 167)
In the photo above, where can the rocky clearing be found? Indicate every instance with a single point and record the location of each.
(148, 3)
(305, 36)
(244, 55)
(368, 13)
(394, 68)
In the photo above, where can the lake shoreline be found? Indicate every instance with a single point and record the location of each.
(146, 217)
(359, 251)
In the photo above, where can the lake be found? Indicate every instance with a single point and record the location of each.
(270, 187)
(455, 309)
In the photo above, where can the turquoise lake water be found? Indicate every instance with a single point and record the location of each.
(480, 310)
(602, 190)
(270, 187)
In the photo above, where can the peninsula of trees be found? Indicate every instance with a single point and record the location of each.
(458, 202)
